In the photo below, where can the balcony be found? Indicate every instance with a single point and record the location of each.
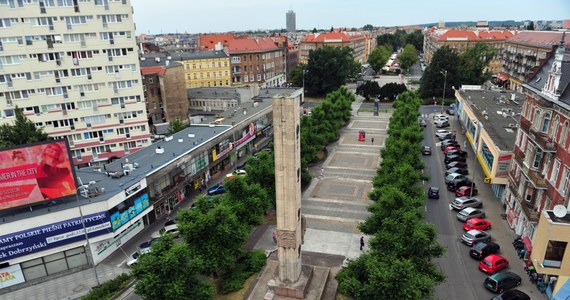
(513, 185)
(536, 178)
(519, 156)
(542, 140)
(529, 211)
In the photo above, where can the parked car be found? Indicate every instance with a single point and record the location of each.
(451, 158)
(456, 152)
(512, 295)
(449, 142)
(423, 123)
(426, 150)
(454, 176)
(470, 213)
(464, 202)
(133, 259)
(450, 148)
(493, 263)
(475, 236)
(216, 190)
(456, 164)
(144, 248)
(169, 222)
(172, 230)
(450, 111)
(433, 193)
(442, 132)
(454, 185)
(481, 250)
(440, 123)
(476, 223)
(440, 117)
(465, 191)
(240, 172)
(502, 281)
(457, 170)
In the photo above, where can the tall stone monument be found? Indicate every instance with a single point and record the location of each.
(290, 224)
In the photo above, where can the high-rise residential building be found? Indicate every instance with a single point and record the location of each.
(290, 21)
(72, 66)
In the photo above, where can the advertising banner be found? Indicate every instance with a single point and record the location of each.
(120, 218)
(35, 173)
(503, 166)
(52, 235)
(10, 276)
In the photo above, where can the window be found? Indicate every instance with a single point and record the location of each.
(554, 130)
(554, 173)
(546, 122)
(554, 254)
(487, 155)
(564, 134)
(537, 158)
(564, 182)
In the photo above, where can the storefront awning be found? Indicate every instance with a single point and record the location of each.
(503, 76)
(527, 244)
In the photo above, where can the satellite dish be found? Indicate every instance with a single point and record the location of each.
(560, 211)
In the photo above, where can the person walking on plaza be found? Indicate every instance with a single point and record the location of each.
(372, 139)
(361, 243)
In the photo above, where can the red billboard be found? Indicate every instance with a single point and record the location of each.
(35, 173)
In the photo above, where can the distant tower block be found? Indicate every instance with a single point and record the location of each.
(286, 123)
(290, 21)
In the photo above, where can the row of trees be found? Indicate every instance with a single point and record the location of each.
(389, 91)
(469, 67)
(379, 56)
(400, 38)
(398, 264)
(328, 69)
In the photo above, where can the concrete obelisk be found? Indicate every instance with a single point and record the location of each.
(286, 124)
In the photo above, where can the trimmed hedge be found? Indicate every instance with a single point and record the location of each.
(249, 264)
(110, 288)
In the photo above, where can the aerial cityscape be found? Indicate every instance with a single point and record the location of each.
(284, 151)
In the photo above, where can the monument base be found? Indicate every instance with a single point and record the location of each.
(297, 289)
(311, 284)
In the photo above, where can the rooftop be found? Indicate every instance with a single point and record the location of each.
(541, 77)
(330, 37)
(148, 162)
(543, 39)
(150, 59)
(251, 45)
(497, 113)
(213, 93)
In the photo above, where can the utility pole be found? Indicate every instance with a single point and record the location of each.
(444, 72)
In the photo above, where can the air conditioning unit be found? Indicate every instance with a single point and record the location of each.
(88, 125)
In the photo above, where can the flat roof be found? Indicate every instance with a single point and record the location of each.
(489, 107)
(148, 162)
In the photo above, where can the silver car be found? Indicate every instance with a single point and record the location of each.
(475, 236)
(470, 213)
(464, 202)
(449, 178)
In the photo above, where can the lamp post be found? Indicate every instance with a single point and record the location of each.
(303, 96)
(444, 72)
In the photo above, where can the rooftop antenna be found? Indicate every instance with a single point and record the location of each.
(560, 211)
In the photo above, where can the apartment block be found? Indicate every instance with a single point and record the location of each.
(257, 61)
(358, 43)
(72, 66)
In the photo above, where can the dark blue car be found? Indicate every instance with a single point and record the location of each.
(216, 190)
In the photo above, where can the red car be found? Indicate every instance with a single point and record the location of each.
(447, 149)
(465, 191)
(493, 263)
(476, 223)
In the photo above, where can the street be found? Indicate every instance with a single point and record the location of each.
(464, 279)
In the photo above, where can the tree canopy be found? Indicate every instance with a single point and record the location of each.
(328, 69)
(176, 126)
(445, 59)
(367, 27)
(395, 40)
(474, 61)
(391, 90)
(22, 131)
(379, 56)
(415, 38)
(369, 89)
(170, 271)
(408, 57)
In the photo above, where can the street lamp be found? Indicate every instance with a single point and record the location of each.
(304, 72)
(444, 72)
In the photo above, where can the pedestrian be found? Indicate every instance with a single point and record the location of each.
(464, 144)
(361, 243)
(372, 139)
(322, 172)
(275, 237)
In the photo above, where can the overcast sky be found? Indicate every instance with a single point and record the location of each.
(199, 16)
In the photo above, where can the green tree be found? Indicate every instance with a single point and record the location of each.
(261, 170)
(474, 61)
(530, 26)
(215, 236)
(295, 76)
(379, 56)
(396, 39)
(176, 126)
(369, 89)
(391, 90)
(21, 132)
(368, 27)
(329, 68)
(415, 38)
(432, 82)
(314, 30)
(249, 200)
(408, 57)
(170, 271)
